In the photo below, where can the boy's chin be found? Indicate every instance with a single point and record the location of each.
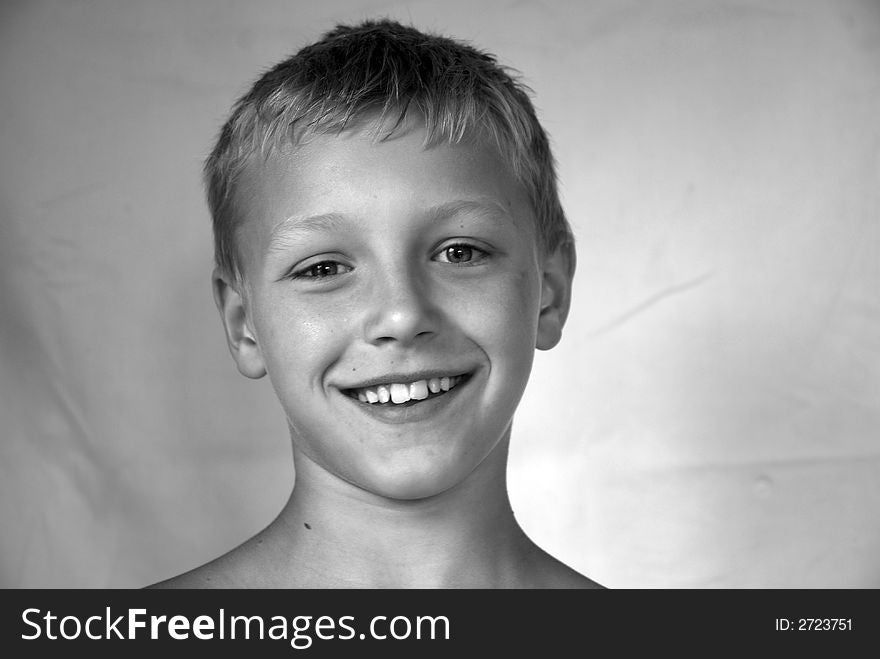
(411, 486)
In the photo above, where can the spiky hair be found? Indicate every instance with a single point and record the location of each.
(385, 73)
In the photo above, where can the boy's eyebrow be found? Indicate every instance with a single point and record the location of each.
(483, 206)
(297, 225)
(288, 229)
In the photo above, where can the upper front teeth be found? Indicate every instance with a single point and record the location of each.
(401, 393)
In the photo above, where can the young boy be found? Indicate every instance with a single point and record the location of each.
(390, 250)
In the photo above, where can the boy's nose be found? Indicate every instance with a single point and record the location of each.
(400, 310)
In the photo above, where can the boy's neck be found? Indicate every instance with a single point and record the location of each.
(332, 534)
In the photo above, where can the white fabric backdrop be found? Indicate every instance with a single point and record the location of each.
(711, 416)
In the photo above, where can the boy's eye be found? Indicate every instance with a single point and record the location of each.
(321, 270)
(460, 253)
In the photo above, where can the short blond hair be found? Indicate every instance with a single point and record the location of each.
(385, 72)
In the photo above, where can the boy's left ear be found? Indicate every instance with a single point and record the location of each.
(558, 273)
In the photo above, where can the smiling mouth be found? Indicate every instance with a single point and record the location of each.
(404, 393)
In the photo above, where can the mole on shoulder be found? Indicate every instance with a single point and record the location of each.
(307, 526)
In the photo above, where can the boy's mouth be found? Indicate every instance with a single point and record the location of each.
(402, 393)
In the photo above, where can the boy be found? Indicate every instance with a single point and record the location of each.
(390, 250)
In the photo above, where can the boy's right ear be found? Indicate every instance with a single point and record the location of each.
(239, 335)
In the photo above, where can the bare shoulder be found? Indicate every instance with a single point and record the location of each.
(562, 576)
(547, 571)
(238, 568)
(216, 574)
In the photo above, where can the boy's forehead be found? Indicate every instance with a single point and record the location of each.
(353, 171)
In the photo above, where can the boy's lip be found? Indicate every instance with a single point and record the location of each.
(413, 410)
(405, 378)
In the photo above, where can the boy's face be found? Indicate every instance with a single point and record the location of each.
(377, 270)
